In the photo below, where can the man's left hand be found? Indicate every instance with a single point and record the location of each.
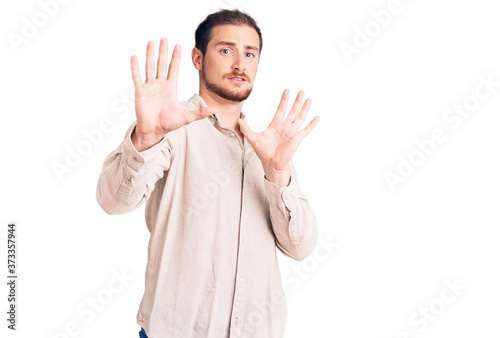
(276, 145)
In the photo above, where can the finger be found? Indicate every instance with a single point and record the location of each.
(295, 108)
(136, 76)
(246, 131)
(162, 59)
(280, 112)
(304, 132)
(302, 116)
(199, 114)
(173, 69)
(150, 59)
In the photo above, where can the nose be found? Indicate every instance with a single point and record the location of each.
(239, 63)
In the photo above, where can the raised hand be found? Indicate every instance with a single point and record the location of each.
(157, 107)
(276, 145)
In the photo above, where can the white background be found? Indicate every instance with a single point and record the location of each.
(394, 250)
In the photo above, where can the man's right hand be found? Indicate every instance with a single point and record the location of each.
(157, 108)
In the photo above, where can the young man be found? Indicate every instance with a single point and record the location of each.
(219, 197)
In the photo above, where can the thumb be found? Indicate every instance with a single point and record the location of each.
(245, 130)
(199, 114)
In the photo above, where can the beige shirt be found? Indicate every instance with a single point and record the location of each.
(215, 222)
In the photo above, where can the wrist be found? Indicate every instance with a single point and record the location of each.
(143, 141)
(280, 177)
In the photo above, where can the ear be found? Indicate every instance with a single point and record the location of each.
(197, 58)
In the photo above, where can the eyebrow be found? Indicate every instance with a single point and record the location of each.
(227, 43)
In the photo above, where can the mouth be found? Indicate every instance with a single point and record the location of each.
(237, 79)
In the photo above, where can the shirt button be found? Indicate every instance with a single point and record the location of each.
(236, 321)
(242, 280)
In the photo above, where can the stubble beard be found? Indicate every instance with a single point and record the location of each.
(236, 96)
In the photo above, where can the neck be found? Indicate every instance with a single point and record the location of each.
(228, 111)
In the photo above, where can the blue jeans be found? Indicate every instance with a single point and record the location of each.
(142, 334)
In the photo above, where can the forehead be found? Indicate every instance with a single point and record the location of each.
(239, 34)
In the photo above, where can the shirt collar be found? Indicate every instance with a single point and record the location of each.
(198, 101)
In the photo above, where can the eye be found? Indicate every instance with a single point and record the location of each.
(225, 51)
(250, 55)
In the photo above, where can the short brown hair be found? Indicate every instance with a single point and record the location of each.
(203, 33)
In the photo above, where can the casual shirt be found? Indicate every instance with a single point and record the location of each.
(215, 223)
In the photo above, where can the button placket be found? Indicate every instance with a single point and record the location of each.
(241, 290)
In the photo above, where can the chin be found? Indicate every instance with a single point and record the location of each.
(239, 96)
(231, 94)
(227, 92)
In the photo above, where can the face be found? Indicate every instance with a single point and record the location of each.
(229, 65)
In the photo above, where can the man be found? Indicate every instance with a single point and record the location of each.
(219, 197)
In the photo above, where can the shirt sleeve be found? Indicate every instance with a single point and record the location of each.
(293, 221)
(128, 177)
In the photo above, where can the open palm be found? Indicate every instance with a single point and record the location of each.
(276, 145)
(157, 107)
